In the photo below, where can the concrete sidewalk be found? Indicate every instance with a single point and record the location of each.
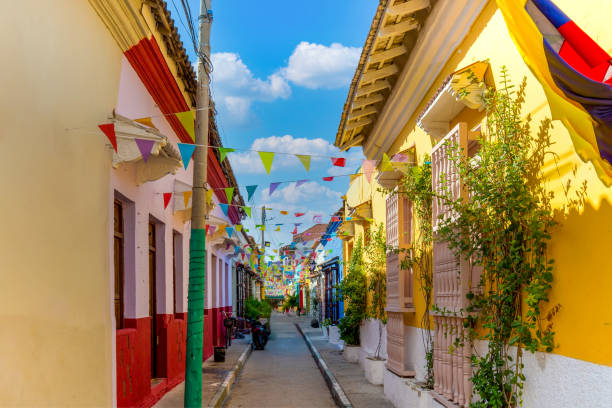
(213, 375)
(351, 377)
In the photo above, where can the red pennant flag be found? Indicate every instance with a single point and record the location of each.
(167, 197)
(338, 161)
(109, 131)
(299, 214)
(294, 231)
(328, 178)
(206, 232)
(335, 219)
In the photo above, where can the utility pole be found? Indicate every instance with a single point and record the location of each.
(199, 214)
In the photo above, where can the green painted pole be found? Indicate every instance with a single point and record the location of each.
(197, 242)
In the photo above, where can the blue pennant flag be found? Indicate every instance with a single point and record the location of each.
(186, 150)
(224, 207)
(230, 231)
(250, 191)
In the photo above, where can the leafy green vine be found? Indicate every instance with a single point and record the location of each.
(505, 227)
(353, 291)
(375, 265)
(416, 185)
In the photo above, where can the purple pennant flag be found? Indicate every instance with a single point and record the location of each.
(300, 182)
(145, 146)
(400, 158)
(273, 187)
(317, 219)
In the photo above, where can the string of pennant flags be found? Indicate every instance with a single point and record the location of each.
(186, 150)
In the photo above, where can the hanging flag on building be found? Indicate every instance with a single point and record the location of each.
(575, 72)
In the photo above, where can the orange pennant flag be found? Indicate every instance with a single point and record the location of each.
(186, 197)
(145, 121)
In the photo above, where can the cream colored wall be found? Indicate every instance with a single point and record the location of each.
(580, 244)
(60, 70)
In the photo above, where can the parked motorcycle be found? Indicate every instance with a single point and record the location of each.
(259, 334)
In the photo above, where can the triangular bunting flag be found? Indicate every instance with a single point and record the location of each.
(250, 191)
(305, 159)
(146, 121)
(229, 193)
(206, 228)
(277, 229)
(368, 169)
(222, 228)
(167, 197)
(300, 182)
(294, 230)
(266, 159)
(187, 119)
(223, 151)
(186, 151)
(186, 197)
(299, 214)
(273, 187)
(224, 207)
(229, 231)
(145, 146)
(247, 210)
(209, 195)
(239, 227)
(212, 229)
(109, 131)
(338, 161)
(352, 177)
(284, 212)
(386, 163)
(328, 178)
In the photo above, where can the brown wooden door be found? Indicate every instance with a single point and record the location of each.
(118, 263)
(152, 299)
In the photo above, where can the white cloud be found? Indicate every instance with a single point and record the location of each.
(236, 87)
(306, 192)
(317, 66)
(251, 162)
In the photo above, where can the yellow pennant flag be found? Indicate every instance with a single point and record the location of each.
(386, 163)
(186, 198)
(239, 227)
(284, 212)
(267, 158)
(187, 119)
(222, 228)
(305, 159)
(277, 229)
(229, 193)
(209, 195)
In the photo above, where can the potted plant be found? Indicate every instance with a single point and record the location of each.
(353, 292)
(376, 251)
(325, 325)
(315, 312)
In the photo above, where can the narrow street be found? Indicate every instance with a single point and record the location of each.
(282, 375)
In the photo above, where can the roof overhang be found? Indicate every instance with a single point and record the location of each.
(427, 51)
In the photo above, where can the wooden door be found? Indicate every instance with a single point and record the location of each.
(152, 298)
(118, 262)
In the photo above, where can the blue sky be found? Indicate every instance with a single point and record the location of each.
(281, 75)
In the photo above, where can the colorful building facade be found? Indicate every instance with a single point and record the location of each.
(109, 245)
(404, 100)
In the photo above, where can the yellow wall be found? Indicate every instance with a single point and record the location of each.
(580, 245)
(60, 70)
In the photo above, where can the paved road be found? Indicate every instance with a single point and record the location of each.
(282, 375)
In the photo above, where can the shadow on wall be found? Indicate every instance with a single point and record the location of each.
(581, 247)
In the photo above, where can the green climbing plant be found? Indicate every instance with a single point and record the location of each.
(375, 266)
(505, 228)
(416, 185)
(353, 292)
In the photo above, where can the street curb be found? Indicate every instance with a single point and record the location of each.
(225, 387)
(334, 386)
